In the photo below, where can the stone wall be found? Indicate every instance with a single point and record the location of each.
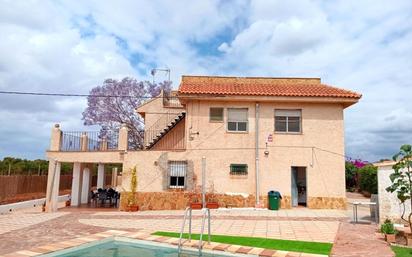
(327, 203)
(179, 200)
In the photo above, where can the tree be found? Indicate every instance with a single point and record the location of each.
(117, 104)
(401, 179)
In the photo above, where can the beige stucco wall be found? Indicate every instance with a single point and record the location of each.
(322, 129)
(154, 109)
(389, 205)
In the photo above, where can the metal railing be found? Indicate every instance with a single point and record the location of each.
(188, 214)
(171, 100)
(160, 126)
(89, 140)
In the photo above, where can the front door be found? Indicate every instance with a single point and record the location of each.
(294, 176)
(299, 196)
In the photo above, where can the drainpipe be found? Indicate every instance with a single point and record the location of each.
(257, 153)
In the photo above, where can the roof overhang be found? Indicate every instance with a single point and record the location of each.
(345, 101)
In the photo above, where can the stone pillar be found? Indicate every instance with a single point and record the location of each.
(76, 184)
(114, 177)
(123, 139)
(85, 186)
(84, 142)
(100, 175)
(103, 144)
(55, 140)
(53, 182)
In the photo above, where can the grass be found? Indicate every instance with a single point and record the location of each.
(278, 244)
(402, 251)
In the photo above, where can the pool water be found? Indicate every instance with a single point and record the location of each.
(131, 248)
(121, 249)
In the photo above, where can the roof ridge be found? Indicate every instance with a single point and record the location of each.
(247, 77)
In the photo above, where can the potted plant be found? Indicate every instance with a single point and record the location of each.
(194, 200)
(212, 201)
(131, 199)
(388, 229)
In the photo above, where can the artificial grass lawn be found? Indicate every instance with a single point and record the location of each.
(402, 251)
(278, 244)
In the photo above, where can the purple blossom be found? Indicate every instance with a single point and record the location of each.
(111, 112)
(359, 163)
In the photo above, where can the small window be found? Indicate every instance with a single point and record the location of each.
(238, 169)
(177, 174)
(216, 114)
(237, 119)
(288, 121)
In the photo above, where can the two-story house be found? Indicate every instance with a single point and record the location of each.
(252, 135)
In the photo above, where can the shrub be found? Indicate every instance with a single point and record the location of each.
(350, 175)
(388, 228)
(369, 179)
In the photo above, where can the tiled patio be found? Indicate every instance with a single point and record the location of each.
(28, 229)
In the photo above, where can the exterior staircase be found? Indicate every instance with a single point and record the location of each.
(161, 127)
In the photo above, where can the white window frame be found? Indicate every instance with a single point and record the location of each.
(237, 121)
(292, 113)
(179, 171)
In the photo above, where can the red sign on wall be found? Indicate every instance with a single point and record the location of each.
(270, 138)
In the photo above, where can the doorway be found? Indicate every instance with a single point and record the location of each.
(299, 189)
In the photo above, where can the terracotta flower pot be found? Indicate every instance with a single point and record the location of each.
(132, 208)
(390, 238)
(196, 206)
(212, 205)
(68, 202)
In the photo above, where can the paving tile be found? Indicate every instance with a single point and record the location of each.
(267, 253)
(221, 247)
(28, 253)
(15, 255)
(233, 248)
(256, 251)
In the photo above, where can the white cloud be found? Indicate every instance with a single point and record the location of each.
(68, 46)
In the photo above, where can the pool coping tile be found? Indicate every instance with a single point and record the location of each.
(239, 249)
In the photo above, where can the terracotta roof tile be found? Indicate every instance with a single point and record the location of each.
(294, 87)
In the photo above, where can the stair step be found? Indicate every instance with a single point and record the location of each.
(168, 127)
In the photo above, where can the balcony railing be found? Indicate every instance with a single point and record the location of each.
(89, 141)
(171, 100)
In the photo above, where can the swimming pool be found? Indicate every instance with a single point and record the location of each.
(126, 247)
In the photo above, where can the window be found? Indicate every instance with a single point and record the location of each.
(216, 114)
(177, 174)
(288, 121)
(237, 119)
(238, 169)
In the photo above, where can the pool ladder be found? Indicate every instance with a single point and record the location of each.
(188, 214)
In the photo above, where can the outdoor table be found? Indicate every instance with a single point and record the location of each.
(355, 210)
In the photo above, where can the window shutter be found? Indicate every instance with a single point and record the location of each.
(288, 113)
(177, 169)
(237, 114)
(216, 114)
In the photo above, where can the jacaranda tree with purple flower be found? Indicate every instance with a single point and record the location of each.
(114, 102)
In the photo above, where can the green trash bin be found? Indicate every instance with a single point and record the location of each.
(274, 200)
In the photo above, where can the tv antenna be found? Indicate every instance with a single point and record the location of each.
(155, 70)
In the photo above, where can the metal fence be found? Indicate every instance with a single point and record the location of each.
(24, 187)
(170, 99)
(89, 140)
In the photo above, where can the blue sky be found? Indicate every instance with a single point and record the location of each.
(71, 46)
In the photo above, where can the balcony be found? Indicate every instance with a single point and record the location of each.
(170, 100)
(89, 141)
